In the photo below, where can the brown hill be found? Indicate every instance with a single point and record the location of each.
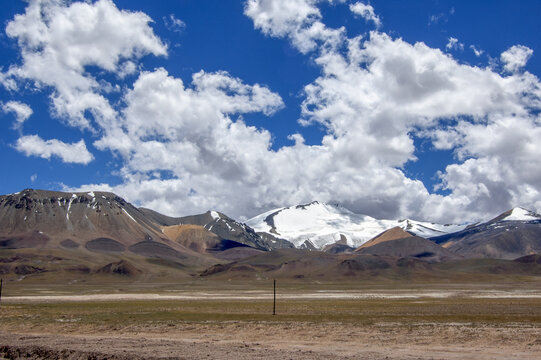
(122, 267)
(397, 242)
(388, 235)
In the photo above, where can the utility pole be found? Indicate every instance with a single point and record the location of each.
(274, 302)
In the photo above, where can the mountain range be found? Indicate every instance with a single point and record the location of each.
(101, 234)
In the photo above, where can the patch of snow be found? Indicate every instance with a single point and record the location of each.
(73, 197)
(520, 214)
(428, 230)
(214, 215)
(25, 217)
(128, 214)
(91, 193)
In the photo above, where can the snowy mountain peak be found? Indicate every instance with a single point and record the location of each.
(215, 215)
(325, 224)
(521, 214)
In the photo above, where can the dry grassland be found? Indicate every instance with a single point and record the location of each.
(389, 324)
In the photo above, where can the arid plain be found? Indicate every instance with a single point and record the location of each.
(233, 320)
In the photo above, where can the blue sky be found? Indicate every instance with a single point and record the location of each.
(391, 108)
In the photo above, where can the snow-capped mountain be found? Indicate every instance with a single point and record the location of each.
(325, 224)
(520, 214)
(514, 233)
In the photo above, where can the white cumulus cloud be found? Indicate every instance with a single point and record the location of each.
(33, 145)
(366, 11)
(59, 40)
(297, 19)
(454, 44)
(516, 57)
(21, 111)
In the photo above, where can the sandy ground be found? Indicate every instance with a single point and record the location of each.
(294, 341)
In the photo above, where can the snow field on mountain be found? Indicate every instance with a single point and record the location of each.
(520, 214)
(324, 224)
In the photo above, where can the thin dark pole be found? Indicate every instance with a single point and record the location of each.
(274, 302)
(1, 281)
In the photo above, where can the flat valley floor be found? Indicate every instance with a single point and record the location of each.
(217, 321)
